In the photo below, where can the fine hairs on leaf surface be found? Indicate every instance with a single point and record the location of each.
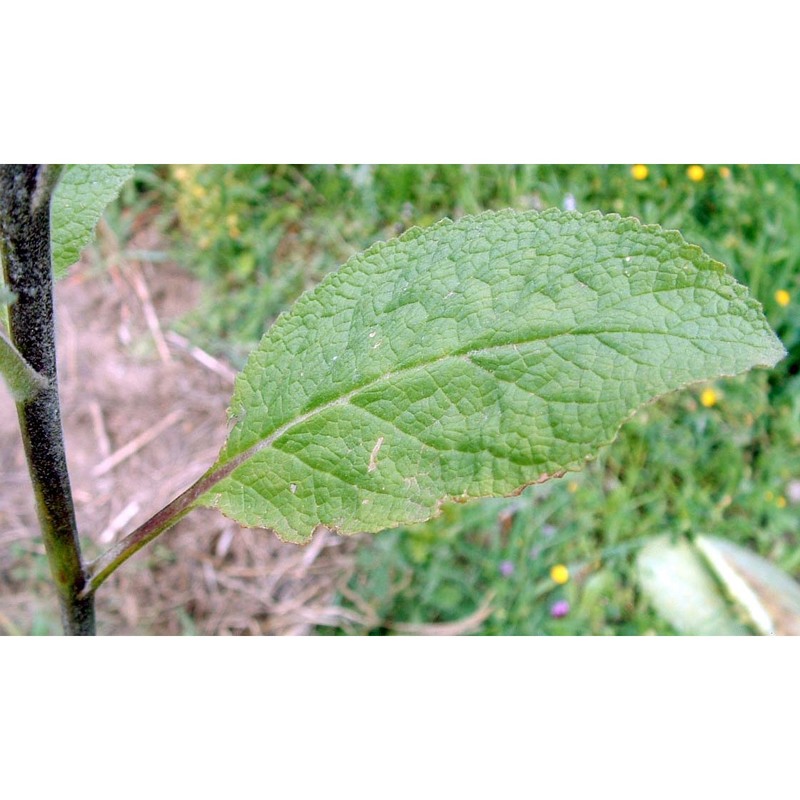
(471, 359)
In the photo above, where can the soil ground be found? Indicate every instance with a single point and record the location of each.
(144, 416)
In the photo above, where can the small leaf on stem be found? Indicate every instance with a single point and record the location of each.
(79, 200)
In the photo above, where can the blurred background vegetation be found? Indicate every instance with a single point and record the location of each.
(559, 559)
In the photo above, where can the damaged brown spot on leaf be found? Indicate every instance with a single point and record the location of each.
(373, 456)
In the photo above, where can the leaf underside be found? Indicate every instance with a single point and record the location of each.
(472, 359)
(81, 196)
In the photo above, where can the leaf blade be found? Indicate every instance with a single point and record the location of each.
(80, 198)
(472, 359)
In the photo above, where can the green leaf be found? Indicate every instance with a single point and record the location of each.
(82, 194)
(471, 359)
(683, 591)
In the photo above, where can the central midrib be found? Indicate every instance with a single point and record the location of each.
(228, 467)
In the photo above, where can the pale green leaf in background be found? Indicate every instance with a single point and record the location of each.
(683, 591)
(81, 196)
(471, 359)
(767, 595)
(710, 586)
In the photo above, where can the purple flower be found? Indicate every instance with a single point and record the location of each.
(793, 491)
(559, 609)
(569, 203)
(506, 568)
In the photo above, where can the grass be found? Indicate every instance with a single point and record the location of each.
(720, 459)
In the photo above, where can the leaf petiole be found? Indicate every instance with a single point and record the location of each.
(22, 379)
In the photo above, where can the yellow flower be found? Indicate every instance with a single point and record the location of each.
(781, 502)
(725, 172)
(782, 297)
(708, 398)
(696, 173)
(639, 172)
(559, 574)
(572, 486)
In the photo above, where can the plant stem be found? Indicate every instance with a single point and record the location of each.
(25, 193)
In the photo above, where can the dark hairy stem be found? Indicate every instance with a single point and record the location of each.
(25, 193)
